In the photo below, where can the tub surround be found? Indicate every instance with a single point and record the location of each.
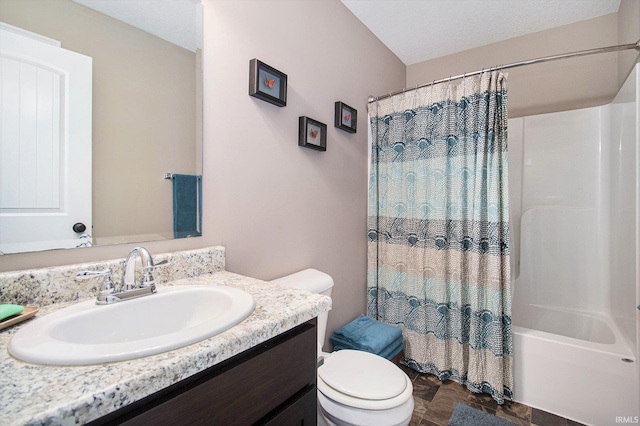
(575, 193)
(37, 394)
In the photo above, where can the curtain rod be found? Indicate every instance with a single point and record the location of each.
(629, 46)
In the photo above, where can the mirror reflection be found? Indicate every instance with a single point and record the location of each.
(101, 120)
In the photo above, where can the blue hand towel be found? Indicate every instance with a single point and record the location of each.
(367, 334)
(187, 213)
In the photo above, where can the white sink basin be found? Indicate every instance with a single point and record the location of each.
(174, 317)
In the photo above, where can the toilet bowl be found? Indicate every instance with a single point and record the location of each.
(359, 388)
(355, 388)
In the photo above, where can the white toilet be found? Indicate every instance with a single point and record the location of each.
(355, 388)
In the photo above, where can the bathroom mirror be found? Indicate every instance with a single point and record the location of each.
(145, 120)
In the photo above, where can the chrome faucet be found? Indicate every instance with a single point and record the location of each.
(129, 276)
(128, 289)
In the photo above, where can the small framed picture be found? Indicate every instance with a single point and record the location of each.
(267, 83)
(312, 134)
(346, 118)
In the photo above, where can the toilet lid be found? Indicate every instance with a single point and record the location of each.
(362, 375)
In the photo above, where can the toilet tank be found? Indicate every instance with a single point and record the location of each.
(316, 282)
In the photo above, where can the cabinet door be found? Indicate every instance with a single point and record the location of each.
(240, 391)
(301, 411)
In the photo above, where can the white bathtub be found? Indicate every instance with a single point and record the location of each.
(571, 364)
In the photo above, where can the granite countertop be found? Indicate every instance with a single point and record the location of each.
(38, 394)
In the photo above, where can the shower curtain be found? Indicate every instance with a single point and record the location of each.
(438, 229)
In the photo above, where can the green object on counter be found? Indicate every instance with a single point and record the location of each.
(7, 311)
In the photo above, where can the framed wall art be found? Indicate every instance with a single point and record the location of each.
(312, 134)
(267, 83)
(346, 118)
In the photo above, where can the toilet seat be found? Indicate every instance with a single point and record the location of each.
(363, 380)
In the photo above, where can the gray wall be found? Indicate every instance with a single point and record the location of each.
(628, 32)
(553, 86)
(276, 207)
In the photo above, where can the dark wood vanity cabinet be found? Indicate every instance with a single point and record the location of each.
(273, 383)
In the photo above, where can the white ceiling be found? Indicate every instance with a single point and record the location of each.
(419, 30)
(176, 21)
(415, 30)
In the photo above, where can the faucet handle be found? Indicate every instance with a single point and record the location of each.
(147, 269)
(85, 275)
(147, 279)
(109, 287)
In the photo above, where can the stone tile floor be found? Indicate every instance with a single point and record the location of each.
(435, 401)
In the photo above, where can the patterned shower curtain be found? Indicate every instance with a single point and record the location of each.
(438, 229)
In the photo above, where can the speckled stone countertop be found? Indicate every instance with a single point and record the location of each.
(37, 394)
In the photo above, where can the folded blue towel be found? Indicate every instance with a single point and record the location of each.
(388, 353)
(367, 335)
(393, 350)
(339, 342)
